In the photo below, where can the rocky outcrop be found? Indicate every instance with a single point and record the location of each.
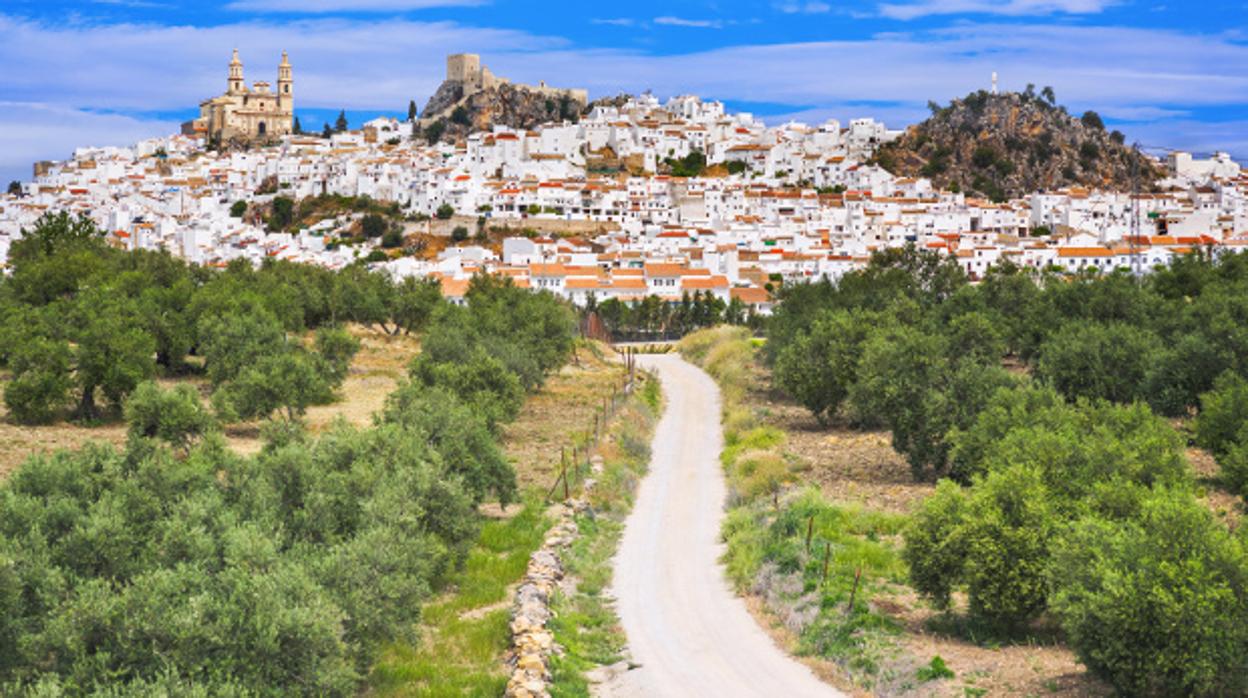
(505, 104)
(1007, 145)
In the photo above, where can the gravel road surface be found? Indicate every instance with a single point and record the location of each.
(686, 629)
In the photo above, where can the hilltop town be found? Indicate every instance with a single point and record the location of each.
(632, 197)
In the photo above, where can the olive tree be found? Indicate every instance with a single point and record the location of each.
(1156, 606)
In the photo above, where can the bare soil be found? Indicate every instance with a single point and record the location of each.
(1226, 506)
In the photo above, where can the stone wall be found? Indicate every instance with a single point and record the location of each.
(532, 644)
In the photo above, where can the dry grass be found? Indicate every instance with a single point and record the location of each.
(375, 371)
(849, 465)
(562, 411)
(18, 442)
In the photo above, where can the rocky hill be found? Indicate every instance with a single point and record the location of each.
(448, 115)
(1006, 145)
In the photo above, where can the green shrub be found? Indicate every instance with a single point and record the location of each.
(818, 366)
(175, 416)
(994, 539)
(935, 670)
(1156, 606)
(935, 550)
(1234, 464)
(1093, 360)
(1223, 412)
(41, 380)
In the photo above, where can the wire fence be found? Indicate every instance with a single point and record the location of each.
(575, 458)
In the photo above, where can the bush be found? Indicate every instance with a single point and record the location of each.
(1156, 606)
(175, 416)
(291, 381)
(993, 539)
(41, 380)
(761, 474)
(482, 382)
(1092, 120)
(373, 225)
(1006, 536)
(984, 156)
(1234, 464)
(459, 435)
(1107, 361)
(237, 209)
(1094, 456)
(935, 552)
(444, 212)
(1223, 412)
(936, 669)
(819, 366)
(1179, 374)
(459, 234)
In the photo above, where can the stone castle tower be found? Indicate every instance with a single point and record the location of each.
(465, 77)
(246, 114)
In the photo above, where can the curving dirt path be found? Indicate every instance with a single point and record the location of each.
(686, 629)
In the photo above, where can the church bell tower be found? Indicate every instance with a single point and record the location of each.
(285, 83)
(237, 84)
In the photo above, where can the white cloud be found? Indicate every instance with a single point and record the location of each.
(379, 65)
(1013, 8)
(337, 63)
(30, 132)
(806, 8)
(615, 22)
(320, 6)
(682, 22)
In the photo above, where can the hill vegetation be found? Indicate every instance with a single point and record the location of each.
(174, 566)
(1007, 145)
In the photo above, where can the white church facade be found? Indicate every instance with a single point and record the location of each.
(242, 113)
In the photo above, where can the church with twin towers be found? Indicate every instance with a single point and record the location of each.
(257, 113)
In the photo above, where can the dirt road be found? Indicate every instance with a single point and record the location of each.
(688, 632)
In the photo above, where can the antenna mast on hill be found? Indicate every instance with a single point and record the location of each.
(994, 82)
(1134, 240)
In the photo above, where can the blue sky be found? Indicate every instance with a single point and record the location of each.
(100, 72)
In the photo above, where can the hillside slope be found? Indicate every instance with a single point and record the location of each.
(1007, 145)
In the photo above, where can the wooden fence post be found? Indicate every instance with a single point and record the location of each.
(827, 556)
(810, 528)
(852, 594)
(554, 487)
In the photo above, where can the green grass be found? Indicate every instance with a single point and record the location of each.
(852, 539)
(466, 630)
(585, 623)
